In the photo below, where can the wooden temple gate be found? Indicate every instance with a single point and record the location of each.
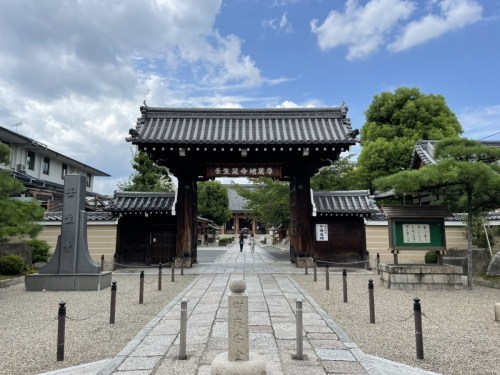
(285, 144)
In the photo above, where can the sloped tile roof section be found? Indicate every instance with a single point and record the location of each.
(423, 152)
(127, 202)
(91, 216)
(414, 211)
(344, 202)
(301, 126)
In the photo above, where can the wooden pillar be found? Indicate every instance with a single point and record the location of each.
(300, 213)
(186, 211)
(236, 224)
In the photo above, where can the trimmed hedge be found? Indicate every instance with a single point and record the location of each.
(40, 251)
(431, 257)
(11, 265)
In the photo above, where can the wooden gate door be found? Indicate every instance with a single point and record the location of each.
(162, 246)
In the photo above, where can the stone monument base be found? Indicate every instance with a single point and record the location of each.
(187, 262)
(68, 282)
(221, 365)
(421, 276)
(301, 262)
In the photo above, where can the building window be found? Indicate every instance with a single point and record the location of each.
(64, 171)
(89, 180)
(31, 160)
(46, 165)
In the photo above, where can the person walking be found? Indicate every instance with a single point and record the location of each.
(242, 241)
(252, 242)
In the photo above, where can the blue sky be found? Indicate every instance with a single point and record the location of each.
(75, 72)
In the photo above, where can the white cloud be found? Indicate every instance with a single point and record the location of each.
(362, 29)
(74, 73)
(454, 14)
(279, 24)
(290, 104)
(480, 122)
(381, 23)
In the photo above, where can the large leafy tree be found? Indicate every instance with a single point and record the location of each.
(147, 176)
(394, 123)
(268, 200)
(213, 202)
(466, 171)
(341, 175)
(17, 218)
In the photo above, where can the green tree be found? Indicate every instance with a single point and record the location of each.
(147, 176)
(269, 201)
(213, 202)
(341, 175)
(16, 217)
(394, 123)
(465, 169)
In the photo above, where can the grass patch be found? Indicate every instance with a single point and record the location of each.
(491, 278)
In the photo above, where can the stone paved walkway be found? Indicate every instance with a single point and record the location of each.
(272, 327)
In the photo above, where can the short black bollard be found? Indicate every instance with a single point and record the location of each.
(112, 309)
(327, 277)
(306, 270)
(378, 264)
(172, 271)
(371, 301)
(183, 330)
(417, 313)
(61, 330)
(344, 284)
(315, 269)
(159, 276)
(141, 288)
(102, 263)
(182, 265)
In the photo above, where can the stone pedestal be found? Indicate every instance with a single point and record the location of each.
(68, 282)
(421, 276)
(301, 262)
(238, 360)
(183, 262)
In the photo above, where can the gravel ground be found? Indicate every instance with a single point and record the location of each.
(460, 334)
(28, 322)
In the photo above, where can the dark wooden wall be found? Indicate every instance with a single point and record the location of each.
(346, 239)
(135, 244)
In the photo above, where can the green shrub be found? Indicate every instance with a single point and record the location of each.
(11, 265)
(431, 257)
(39, 251)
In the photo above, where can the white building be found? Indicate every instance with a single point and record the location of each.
(42, 170)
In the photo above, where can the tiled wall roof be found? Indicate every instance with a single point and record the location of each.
(141, 202)
(344, 202)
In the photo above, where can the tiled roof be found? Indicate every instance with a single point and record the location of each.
(301, 126)
(236, 202)
(423, 151)
(91, 216)
(490, 216)
(124, 202)
(344, 202)
(416, 211)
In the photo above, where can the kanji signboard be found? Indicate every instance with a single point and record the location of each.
(247, 170)
(321, 232)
